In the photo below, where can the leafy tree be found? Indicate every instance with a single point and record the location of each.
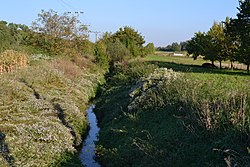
(202, 45)
(131, 39)
(231, 44)
(183, 46)
(240, 28)
(210, 49)
(150, 48)
(100, 51)
(196, 46)
(175, 47)
(214, 45)
(218, 42)
(58, 33)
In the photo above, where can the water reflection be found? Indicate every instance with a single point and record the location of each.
(88, 150)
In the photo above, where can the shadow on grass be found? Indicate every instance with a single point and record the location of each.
(198, 69)
(165, 137)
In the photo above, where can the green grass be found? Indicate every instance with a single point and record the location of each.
(201, 118)
(175, 59)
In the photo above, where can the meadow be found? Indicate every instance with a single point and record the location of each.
(169, 111)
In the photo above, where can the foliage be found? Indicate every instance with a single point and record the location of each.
(59, 34)
(240, 28)
(150, 48)
(174, 47)
(100, 53)
(215, 45)
(124, 44)
(201, 44)
(4, 36)
(227, 40)
(12, 36)
(131, 39)
(117, 52)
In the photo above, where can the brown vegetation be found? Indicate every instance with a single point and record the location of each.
(11, 60)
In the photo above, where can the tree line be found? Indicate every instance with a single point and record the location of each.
(65, 34)
(174, 47)
(226, 40)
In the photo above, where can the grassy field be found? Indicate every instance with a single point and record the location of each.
(167, 57)
(42, 118)
(169, 111)
(175, 59)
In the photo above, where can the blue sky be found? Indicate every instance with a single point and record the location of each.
(159, 21)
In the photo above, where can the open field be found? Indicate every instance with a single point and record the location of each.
(167, 57)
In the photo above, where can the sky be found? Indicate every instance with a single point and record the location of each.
(159, 21)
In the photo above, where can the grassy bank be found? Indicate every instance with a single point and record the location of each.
(42, 116)
(188, 116)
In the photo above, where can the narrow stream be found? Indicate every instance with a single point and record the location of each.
(88, 151)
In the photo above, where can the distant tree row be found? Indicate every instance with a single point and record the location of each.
(174, 47)
(226, 40)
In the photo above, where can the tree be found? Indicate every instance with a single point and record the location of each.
(240, 28)
(218, 42)
(202, 45)
(214, 45)
(174, 47)
(183, 46)
(231, 43)
(131, 39)
(150, 48)
(58, 33)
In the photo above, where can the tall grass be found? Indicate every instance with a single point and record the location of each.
(220, 102)
(10, 60)
(161, 117)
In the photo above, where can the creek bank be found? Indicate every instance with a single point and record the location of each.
(42, 116)
(158, 126)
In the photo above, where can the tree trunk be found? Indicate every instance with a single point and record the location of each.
(247, 68)
(212, 62)
(220, 65)
(232, 66)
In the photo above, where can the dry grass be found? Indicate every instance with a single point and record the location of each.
(69, 69)
(11, 60)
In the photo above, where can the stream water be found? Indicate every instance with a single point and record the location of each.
(88, 151)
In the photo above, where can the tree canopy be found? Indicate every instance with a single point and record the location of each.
(131, 39)
(239, 29)
(227, 40)
(58, 33)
